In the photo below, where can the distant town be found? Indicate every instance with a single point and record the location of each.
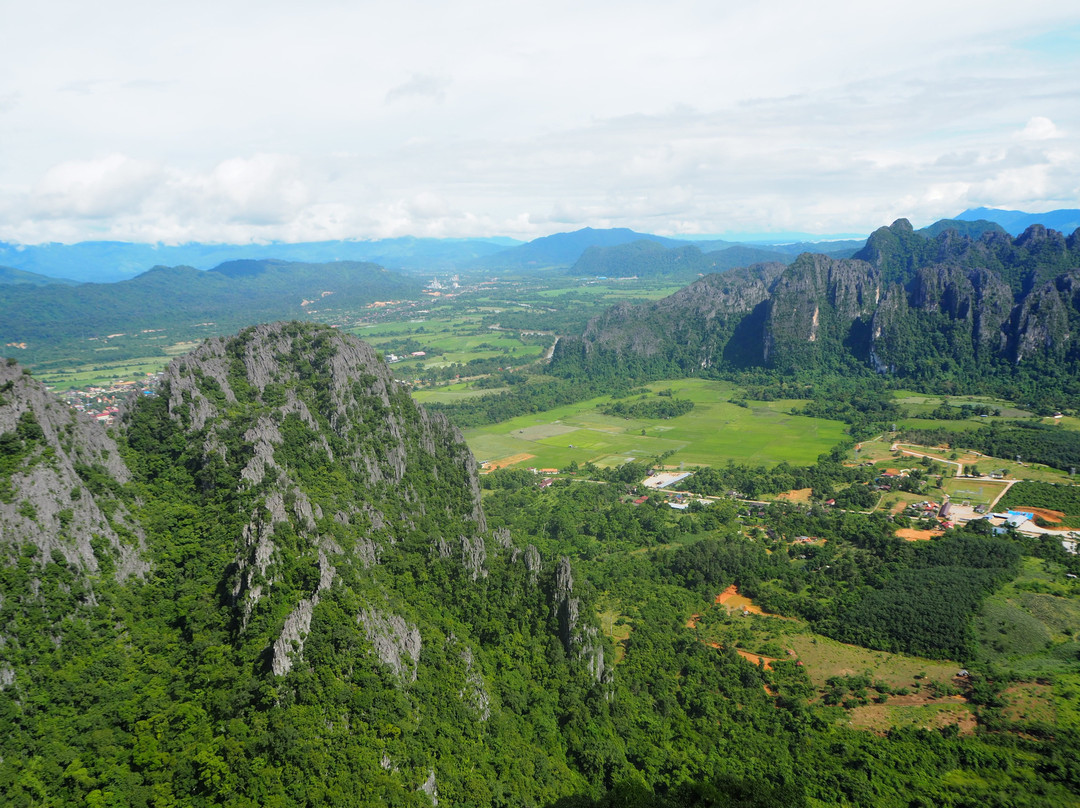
(103, 403)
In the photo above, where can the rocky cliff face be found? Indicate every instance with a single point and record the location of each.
(695, 323)
(812, 306)
(59, 478)
(580, 638)
(906, 304)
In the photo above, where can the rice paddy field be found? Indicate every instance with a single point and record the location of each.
(712, 433)
(103, 372)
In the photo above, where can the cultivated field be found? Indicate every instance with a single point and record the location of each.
(715, 431)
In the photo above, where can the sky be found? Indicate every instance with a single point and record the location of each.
(267, 121)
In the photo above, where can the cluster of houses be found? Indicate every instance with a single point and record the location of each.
(888, 478)
(103, 403)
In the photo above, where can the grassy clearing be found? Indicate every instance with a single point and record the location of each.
(883, 717)
(914, 701)
(920, 404)
(825, 658)
(714, 432)
(1032, 624)
(1030, 703)
(617, 627)
(879, 451)
(452, 392)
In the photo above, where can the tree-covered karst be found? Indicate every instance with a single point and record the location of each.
(973, 228)
(716, 319)
(985, 312)
(275, 587)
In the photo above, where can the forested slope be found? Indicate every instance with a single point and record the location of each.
(279, 585)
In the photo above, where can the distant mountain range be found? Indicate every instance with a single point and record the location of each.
(107, 261)
(1016, 222)
(187, 303)
(11, 275)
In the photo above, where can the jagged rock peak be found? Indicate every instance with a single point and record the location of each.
(580, 638)
(332, 464)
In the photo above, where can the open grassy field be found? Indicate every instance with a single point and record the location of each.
(933, 715)
(825, 658)
(920, 403)
(102, 373)
(614, 290)
(973, 491)
(715, 431)
(448, 393)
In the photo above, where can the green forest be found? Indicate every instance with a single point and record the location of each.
(277, 581)
(556, 646)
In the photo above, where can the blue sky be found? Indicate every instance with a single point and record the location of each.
(244, 121)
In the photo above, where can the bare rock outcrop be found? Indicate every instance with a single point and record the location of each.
(580, 638)
(396, 642)
(62, 469)
(290, 644)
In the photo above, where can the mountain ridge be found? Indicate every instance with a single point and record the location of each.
(909, 305)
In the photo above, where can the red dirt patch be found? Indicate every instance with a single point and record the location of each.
(692, 622)
(1046, 514)
(755, 658)
(731, 596)
(910, 534)
(506, 462)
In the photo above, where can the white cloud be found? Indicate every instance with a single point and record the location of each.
(94, 189)
(253, 121)
(1040, 128)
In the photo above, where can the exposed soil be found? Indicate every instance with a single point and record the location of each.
(910, 534)
(731, 598)
(797, 495)
(506, 462)
(754, 658)
(1046, 514)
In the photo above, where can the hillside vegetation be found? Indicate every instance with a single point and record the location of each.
(276, 583)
